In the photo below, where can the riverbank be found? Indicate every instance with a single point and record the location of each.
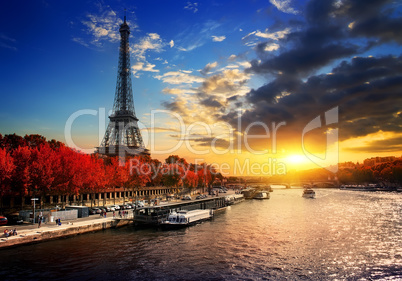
(29, 233)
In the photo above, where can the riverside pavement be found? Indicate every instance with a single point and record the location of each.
(31, 233)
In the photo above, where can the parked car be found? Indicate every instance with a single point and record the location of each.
(92, 211)
(107, 208)
(3, 220)
(116, 207)
(15, 219)
(140, 204)
(186, 197)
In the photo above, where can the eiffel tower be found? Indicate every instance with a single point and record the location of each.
(123, 136)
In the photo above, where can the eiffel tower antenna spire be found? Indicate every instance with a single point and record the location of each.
(123, 136)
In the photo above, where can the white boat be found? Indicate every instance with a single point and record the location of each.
(261, 195)
(234, 199)
(248, 193)
(185, 218)
(308, 193)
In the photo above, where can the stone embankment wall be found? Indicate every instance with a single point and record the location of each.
(36, 235)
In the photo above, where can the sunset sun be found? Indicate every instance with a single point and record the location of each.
(295, 159)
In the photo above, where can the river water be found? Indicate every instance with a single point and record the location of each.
(340, 235)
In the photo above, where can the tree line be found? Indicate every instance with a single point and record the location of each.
(389, 173)
(33, 166)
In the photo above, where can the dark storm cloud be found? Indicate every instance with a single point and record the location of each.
(173, 106)
(367, 90)
(233, 98)
(211, 102)
(326, 36)
(303, 60)
(380, 27)
(374, 19)
(270, 91)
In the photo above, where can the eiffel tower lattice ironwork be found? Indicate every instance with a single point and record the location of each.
(123, 136)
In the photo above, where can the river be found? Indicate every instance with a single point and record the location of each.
(339, 235)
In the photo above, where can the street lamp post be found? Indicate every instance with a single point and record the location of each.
(34, 199)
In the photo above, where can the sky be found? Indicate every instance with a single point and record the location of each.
(255, 87)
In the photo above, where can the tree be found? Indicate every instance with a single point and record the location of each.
(41, 169)
(95, 175)
(204, 175)
(345, 176)
(6, 172)
(69, 174)
(175, 159)
(21, 181)
(12, 142)
(190, 180)
(140, 174)
(35, 140)
(117, 173)
(172, 174)
(54, 144)
(156, 172)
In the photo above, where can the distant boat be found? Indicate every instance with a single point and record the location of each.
(358, 187)
(248, 193)
(262, 195)
(308, 193)
(234, 199)
(185, 218)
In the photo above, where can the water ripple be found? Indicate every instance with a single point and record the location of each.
(340, 235)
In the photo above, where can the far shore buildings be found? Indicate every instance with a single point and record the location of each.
(369, 162)
(379, 160)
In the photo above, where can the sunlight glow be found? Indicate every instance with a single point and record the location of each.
(295, 159)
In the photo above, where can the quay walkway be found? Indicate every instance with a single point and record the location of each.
(30, 233)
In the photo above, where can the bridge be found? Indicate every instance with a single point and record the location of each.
(320, 184)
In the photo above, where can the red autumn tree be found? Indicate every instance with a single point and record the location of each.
(156, 172)
(41, 170)
(190, 179)
(117, 173)
(21, 180)
(69, 173)
(12, 142)
(204, 175)
(6, 172)
(35, 140)
(93, 175)
(172, 175)
(140, 172)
